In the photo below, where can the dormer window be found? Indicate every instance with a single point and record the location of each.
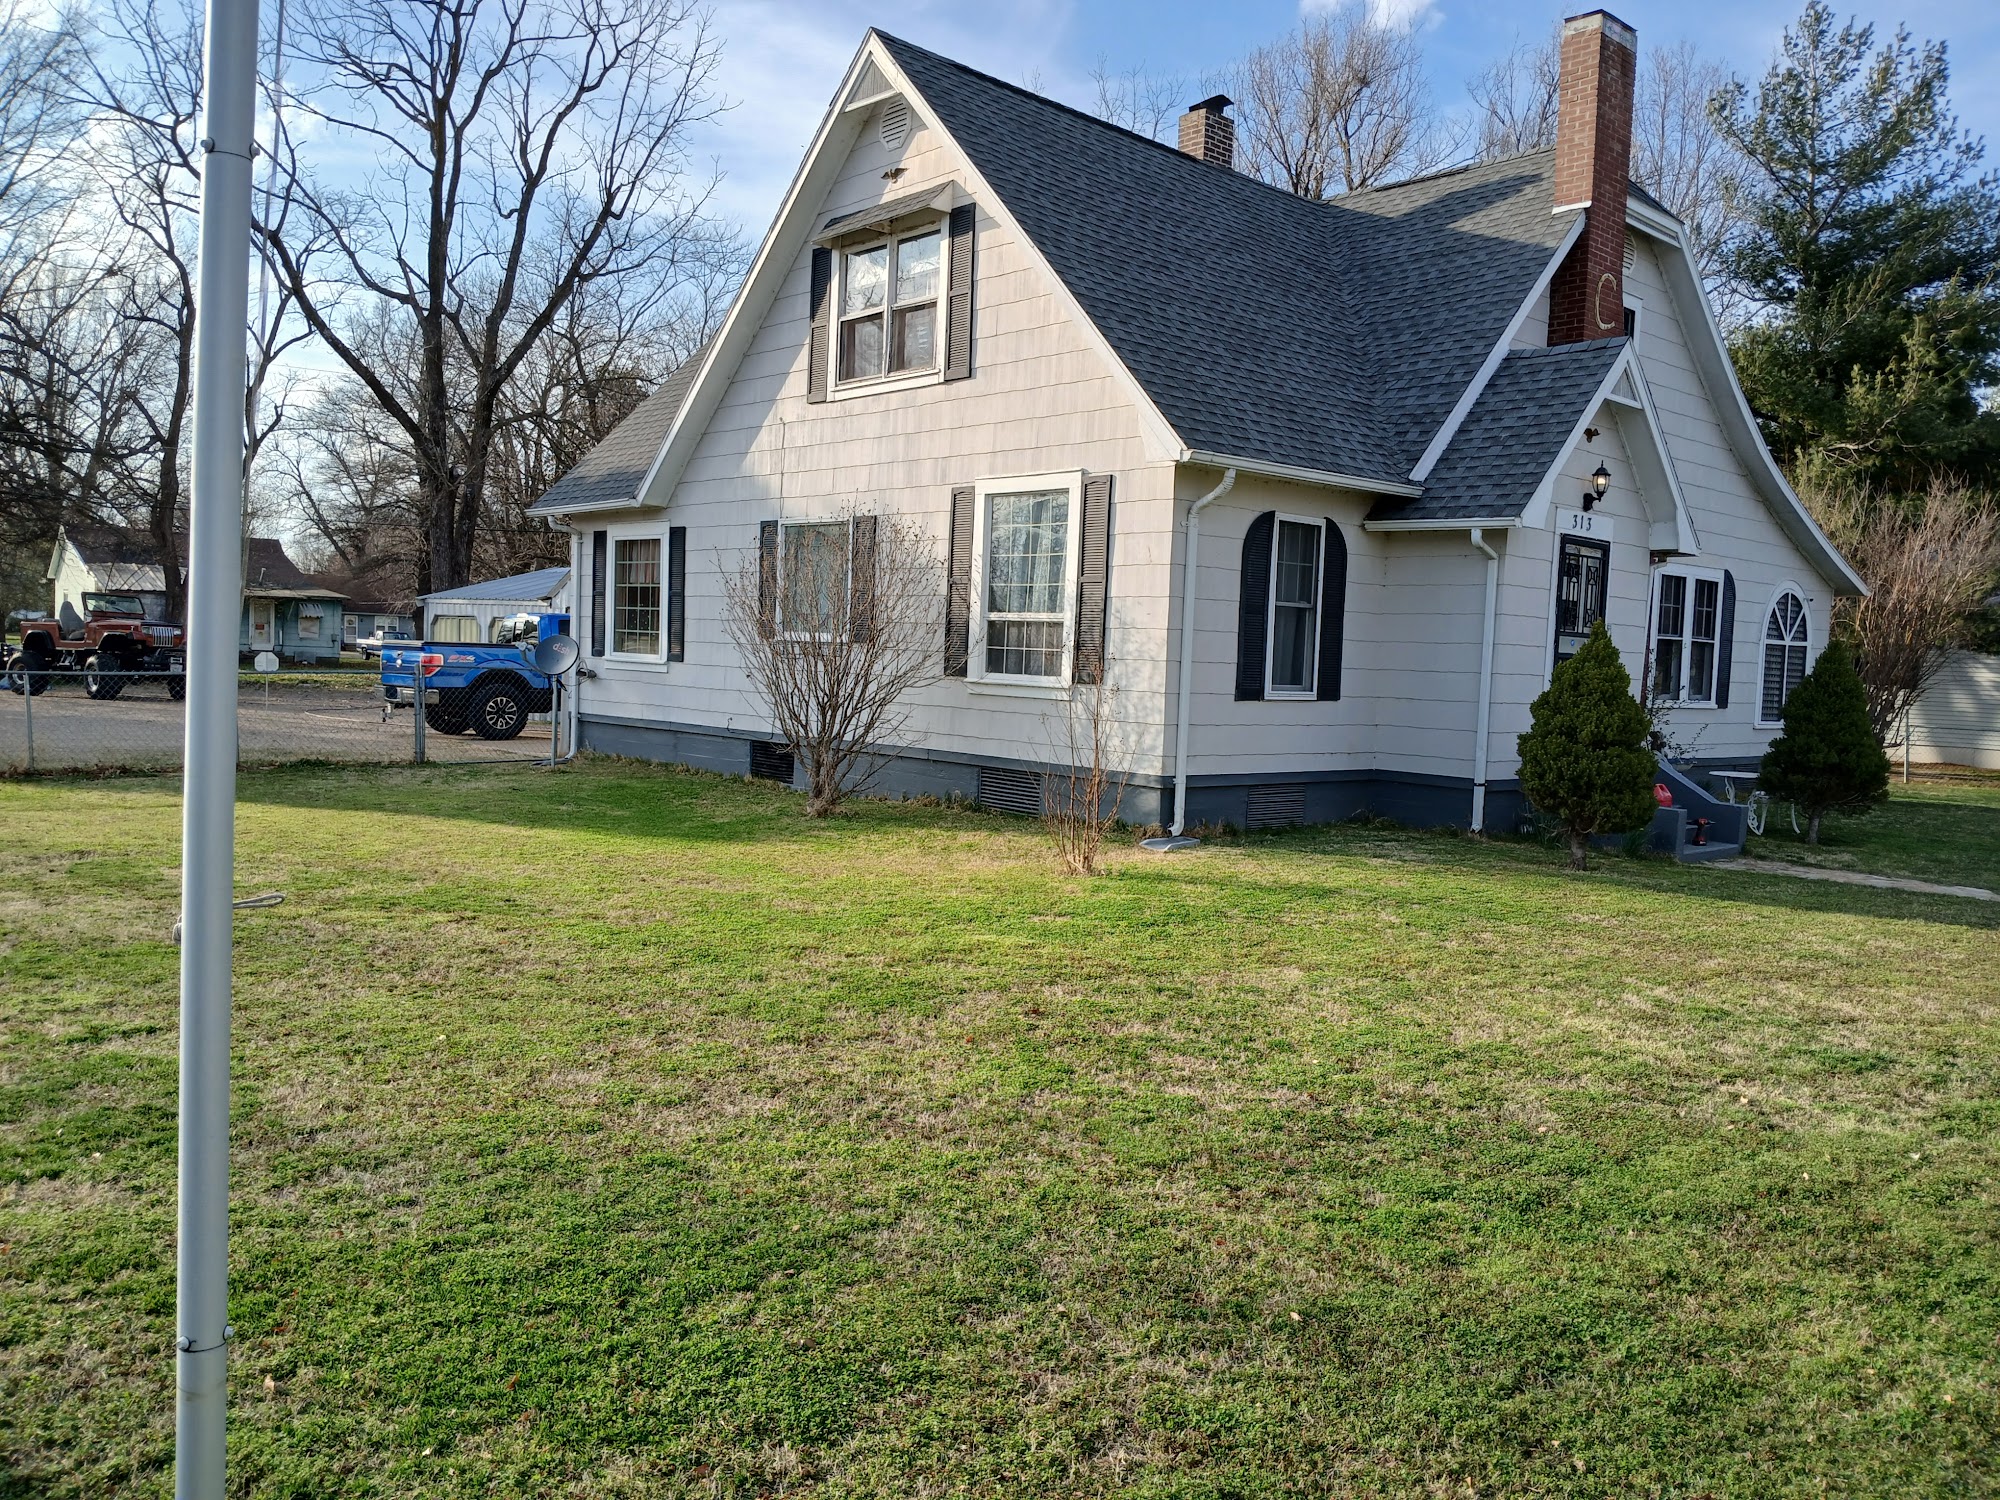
(889, 307)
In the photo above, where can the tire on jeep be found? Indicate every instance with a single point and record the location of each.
(103, 676)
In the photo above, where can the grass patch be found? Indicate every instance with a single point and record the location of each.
(1946, 832)
(621, 1133)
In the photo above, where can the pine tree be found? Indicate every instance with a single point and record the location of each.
(1828, 756)
(1869, 243)
(1586, 761)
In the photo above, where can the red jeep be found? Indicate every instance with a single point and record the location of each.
(114, 641)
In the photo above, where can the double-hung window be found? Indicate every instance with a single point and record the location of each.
(635, 595)
(815, 566)
(1027, 538)
(1295, 587)
(889, 306)
(1687, 625)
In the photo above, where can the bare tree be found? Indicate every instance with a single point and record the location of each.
(836, 622)
(1515, 98)
(1081, 792)
(1928, 567)
(38, 116)
(522, 151)
(1337, 104)
(1137, 100)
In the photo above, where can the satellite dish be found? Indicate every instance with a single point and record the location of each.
(556, 654)
(266, 661)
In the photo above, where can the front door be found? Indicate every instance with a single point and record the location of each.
(260, 624)
(1581, 576)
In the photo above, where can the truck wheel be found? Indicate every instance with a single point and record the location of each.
(29, 673)
(101, 679)
(441, 719)
(500, 712)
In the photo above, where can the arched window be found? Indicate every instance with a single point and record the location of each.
(1787, 634)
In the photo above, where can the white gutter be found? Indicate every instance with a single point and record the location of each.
(1485, 683)
(1184, 688)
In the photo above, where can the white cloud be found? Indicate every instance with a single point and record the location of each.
(1401, 15)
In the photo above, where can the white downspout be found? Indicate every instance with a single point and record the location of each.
(1183, 687)
(1485, 683)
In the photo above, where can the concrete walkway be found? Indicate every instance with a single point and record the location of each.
(1851, 877)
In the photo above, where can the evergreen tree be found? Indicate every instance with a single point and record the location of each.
(1869, 245)
(1828, 756)
(1586, 760)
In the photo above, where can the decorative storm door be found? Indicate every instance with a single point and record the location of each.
(1581, 575)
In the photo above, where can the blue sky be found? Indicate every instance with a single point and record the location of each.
(783, 58)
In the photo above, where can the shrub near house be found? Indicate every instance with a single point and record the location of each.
(1828, 758)
(1586, 762)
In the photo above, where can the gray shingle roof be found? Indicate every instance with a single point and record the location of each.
(611, 471)
(1511, 437)
(1330, 336)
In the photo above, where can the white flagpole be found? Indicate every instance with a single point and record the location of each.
(208, 819)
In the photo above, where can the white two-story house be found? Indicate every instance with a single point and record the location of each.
(1432, 431)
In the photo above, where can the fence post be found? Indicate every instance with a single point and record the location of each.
(28, 708)
(417, 691)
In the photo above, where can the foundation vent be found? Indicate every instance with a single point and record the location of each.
(1282, 806)
(770, 762)
(1011, 791)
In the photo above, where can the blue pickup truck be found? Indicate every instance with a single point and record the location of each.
(489, 689)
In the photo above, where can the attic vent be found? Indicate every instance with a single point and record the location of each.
(1010, 791)
(770, 762)
(1631, 251)
(1282, 806)
(895, 126)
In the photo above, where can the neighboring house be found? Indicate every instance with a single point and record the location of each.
(477, 611)
(1047, 339)
(375, 617)
(284, 610)
(1957, 719)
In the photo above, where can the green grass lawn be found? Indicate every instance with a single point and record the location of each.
(1946, 832)
(619, 1133)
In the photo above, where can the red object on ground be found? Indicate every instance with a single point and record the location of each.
(1661, 795)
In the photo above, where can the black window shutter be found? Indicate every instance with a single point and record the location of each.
(677, 607)
(767, 577)
(1253, 608)
(1332, 612)
(958, 302)
(958, 586)
(822, 305)
(599, 546)
(1725, 641)
(1093, 579)
(861, 578)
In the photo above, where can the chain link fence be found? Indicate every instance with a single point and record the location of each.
(62, 721)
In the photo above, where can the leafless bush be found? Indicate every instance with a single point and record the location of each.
(837, 620)
(1337, 104)
(1928, 565)
(1081, 792)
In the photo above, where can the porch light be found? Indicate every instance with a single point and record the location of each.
(1599, 483)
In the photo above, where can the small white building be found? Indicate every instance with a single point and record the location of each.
(477, 611)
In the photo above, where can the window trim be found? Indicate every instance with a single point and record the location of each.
(929, 221)
(1788, 586)
(983, 490)
(1691, 573)
(616, 535)
(1310, 692)
(785, 523)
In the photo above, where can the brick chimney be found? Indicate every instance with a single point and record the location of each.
(1600, 60)
(1207, 134)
